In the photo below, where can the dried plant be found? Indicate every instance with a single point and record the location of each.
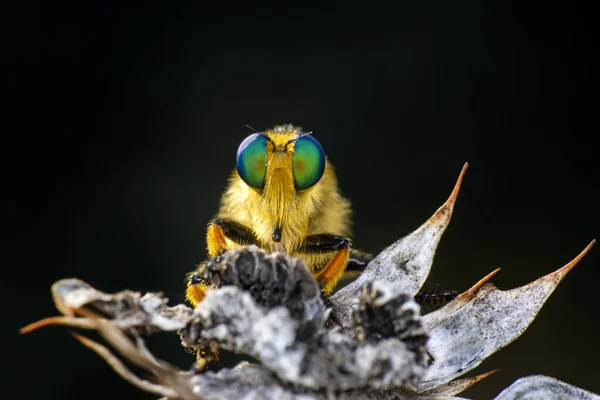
(268, 306)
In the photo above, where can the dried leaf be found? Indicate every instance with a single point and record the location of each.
(492, 318)
(406, 263)
(432, 319)
(127, 309)
(540, 387)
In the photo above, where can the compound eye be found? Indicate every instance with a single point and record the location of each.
(251, 160)
(308, 162)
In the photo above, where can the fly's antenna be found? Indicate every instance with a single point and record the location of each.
(249, 127)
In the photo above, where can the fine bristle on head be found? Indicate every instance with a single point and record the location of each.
(287, 128)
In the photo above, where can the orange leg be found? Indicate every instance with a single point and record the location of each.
(215, 238)
(327, 243)
(220, 229)
(333, 271)
(217, 233)
(194, 293)
(196, 286)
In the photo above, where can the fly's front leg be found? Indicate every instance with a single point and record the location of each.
(217, 233)
(219, 229)
(197, 283)
(325, 243)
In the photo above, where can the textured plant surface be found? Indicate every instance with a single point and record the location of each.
(268, 306)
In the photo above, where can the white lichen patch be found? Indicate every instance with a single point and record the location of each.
(330, 360)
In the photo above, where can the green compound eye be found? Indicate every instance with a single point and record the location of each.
(251, 160)
(308, 162)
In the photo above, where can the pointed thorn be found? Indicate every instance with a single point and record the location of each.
(471, 381)
(448, 206)
(454, 194)
(483, 376)
(40, 324)
(468, 295)
(69, 321)
(457, 386)
(560, 274)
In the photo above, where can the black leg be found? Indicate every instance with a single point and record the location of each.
(331, 273)
(323, 243)
(199, 275)
(237, 232)
(436, 297)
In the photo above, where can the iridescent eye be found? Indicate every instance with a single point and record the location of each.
(308, 162)
(251, 160)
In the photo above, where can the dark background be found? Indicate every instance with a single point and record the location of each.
(128, 118)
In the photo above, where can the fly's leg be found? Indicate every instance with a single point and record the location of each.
(217, 233)
(325, 243)
(197, 283)
(436, 297)
(220, 228)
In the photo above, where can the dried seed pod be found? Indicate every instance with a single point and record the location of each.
(386, 312)
(331, 359)
(272, 279)
(265, 306)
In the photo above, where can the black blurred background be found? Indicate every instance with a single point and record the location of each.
(128, 118)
